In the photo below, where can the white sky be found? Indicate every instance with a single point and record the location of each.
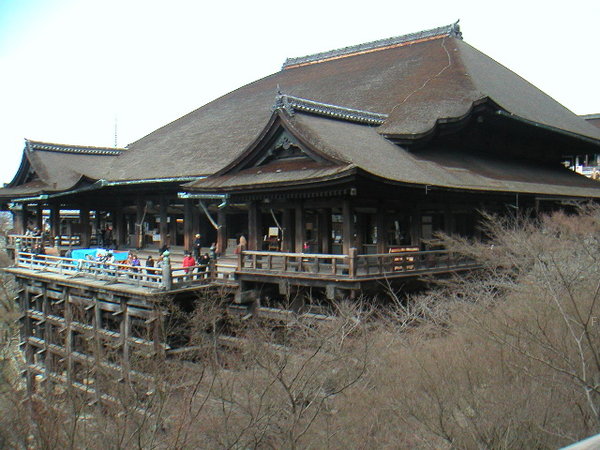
(68, 68)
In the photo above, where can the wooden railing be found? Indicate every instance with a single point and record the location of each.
(28, 241)
(163, 277)
(352, 266)
(297, 263)
(23, 241)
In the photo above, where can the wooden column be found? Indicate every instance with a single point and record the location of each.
(325, 230)
(188, 224)
(254, 227)
(221, 232)
(299, 231)
(19, 219)
(381, 230)
(39, 217)
(139, 226)
(120, 228)
(347, 226)
(162, 226)
(55, 220)
(84, 220)
(415, 227)
(287, 238)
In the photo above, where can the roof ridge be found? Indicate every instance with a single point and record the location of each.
(448, 30)
(290, 104)
(78, 149)
(590, 116)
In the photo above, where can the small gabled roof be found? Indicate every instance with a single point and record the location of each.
(50, 167)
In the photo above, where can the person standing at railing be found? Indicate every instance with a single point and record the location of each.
(203, 262)
(135, 263)
(188, 262)
(149, 263)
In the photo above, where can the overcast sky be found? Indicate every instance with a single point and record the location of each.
(70, 69)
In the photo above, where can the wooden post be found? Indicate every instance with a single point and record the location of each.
(162, 226)
(221, 232)
(84, 220)
(254, 227)
(299, 230)
(39, 217)
(325, 230)
(347, 226)
(352, 263)
(69, 336)
(55, 220)
(119, 226)
(381, 229)
(167, 280)
(139, 225)
(287, 238)
(26, 332)
(188, 224)
(125, 329)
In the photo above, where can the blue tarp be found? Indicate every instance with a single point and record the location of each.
(83, 252)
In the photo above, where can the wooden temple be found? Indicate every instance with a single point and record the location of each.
(334, 173)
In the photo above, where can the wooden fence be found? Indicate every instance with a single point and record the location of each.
(352, 266)
(164, 277)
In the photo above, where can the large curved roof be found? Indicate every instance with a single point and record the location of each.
(416, 82)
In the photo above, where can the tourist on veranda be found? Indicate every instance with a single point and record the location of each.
(149, 263)
(135, 263)
(197, 246)
(188, 262)
(203, 262)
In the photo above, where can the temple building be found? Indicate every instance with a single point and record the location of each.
(368, 149)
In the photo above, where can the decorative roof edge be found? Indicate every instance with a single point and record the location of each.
(448, 30)
(590, 116)
(291, 104)
(77, 149)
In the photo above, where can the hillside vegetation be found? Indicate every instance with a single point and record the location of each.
(507, 357)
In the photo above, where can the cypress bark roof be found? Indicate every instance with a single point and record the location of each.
(402, 88)
(413, 83)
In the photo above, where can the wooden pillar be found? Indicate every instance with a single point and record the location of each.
(39, 217)
(84, 220)
(415, 226)
(120, 228)
(359, 232)
(287, 238)
(68, 337)
(162, 227)
(380, 223)
(139, 225)
(188, 224)
(20, 219)
(299, 231)
(26, 332)
(196, 227)
(254, 227)
(125, 330)
(97, 322)
(221, 232)
(325, 230)
(347, 226)
(55, 220)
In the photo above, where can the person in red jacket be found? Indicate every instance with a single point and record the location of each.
(188, 262)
